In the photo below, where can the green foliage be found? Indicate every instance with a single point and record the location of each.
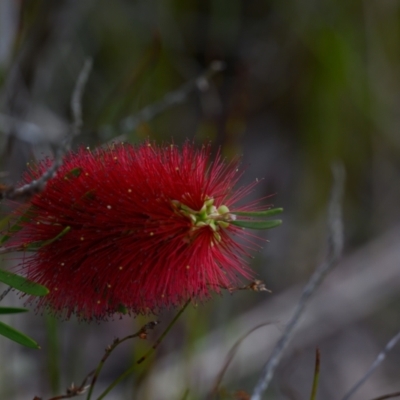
(12, 310)
(12, 334)
(4, 223)
(16, 227)
(314, 387)
(34, 246)
(257, 224)
(266, 213)
(25, 286)
(22, 284)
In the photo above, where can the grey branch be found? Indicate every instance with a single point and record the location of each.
(387, 396)
(7, 123)
(334, 251)
(381, 356)
(5, 293)
(76, 98)
(38, 185)
(178, 96)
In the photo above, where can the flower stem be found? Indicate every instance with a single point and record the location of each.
(54, 353)
(156, 344)
(109, 350)
(316, 376)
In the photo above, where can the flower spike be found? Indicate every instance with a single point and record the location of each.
(135, 229)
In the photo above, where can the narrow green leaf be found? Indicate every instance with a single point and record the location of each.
(12, 310)
(316, 376)
(266, 213)
(74, 173)
(20, 283)
(4, 239)
(122, 309)
(4, 221)
(19, 337)
(17, 226)
(257, 224)
(37, 245)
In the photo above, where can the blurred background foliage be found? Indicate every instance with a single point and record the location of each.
(306, 83)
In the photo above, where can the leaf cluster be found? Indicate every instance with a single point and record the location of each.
(22, 284)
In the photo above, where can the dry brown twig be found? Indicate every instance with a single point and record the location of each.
(255, 286)
(141, 333)
(74, 391)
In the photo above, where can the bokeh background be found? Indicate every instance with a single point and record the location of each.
(306, 83)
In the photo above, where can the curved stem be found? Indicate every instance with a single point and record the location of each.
(141, 332)
(316, 376)
(141, 359)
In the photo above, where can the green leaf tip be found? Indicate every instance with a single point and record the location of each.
(257, 224)
(74, 173)
(5, 221)
(22, 284)
(34, 246)
(17, 336)
(266, 213)
(122, 309)
(16, 227)
(12, 310)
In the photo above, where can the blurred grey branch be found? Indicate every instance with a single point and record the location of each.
(334, 251)
(178, 96)
(76, 99)
(76, 107)
(381, 356)
(29, 129)
(387, 396)
(354, 278)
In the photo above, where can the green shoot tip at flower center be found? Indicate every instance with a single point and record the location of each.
(208, 215)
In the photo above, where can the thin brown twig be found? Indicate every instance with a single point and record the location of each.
(255, 286)
(73, 390)
(142, 359)
(314, 387)
(142, 333)
(162, 336)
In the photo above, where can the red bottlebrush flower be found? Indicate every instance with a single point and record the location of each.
(135, 227)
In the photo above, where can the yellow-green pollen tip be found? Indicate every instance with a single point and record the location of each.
(208, 215)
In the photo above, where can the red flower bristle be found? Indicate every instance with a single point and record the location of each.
(137, 237)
